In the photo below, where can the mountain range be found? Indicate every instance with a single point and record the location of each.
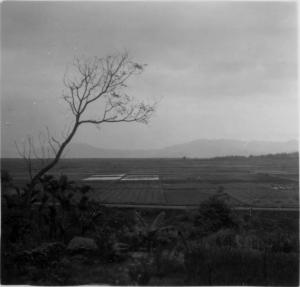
(202, 148)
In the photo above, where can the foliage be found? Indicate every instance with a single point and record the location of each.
(30, 261)
(6, 177)
(278, 241)
(222, 266)
(40, 256)
(261, 250)
(155, 233)
(141, 271)
(115, 234)
(65, 205)
(18, 223)
(221, 238)
(213, 215)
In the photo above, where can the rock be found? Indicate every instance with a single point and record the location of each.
(79, 244)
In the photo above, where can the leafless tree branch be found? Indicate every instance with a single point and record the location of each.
(100, 80)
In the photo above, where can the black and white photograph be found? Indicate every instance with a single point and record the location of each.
(149, 143)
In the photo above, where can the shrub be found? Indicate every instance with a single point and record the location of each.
(279, 241)
(141, 271)
(222, 238)
(6, 178)
(213, 215)
(223, 266)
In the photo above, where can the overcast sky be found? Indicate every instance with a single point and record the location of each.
(218, 69)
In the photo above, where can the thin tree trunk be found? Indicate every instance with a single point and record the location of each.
(57, 157)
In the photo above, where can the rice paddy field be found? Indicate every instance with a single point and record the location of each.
(263, 181)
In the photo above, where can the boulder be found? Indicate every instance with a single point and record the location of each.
(79, 244)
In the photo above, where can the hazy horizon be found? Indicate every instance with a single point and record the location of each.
(201, 148)
(219, 70)
(195, 140)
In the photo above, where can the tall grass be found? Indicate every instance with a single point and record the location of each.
(234, 266)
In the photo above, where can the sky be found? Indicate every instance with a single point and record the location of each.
(216, 69)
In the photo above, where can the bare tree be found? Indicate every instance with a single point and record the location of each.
(37, 152)
(97, 82)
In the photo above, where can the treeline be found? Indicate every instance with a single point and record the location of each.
(263, 156)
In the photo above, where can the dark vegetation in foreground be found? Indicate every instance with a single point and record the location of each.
(56, 235)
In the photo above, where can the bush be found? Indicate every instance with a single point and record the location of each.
(213, 215)
(222, 238)
(224, 266)
(141, 271)
(6, 178)
(278, 241)
(115, 229)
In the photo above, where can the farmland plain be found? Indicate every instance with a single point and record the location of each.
(260, 181)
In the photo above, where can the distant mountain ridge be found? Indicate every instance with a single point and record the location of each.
(202, 148)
